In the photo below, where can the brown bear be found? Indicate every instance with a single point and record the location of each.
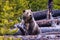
(31, 26)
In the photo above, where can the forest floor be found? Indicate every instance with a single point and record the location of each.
(31, 37)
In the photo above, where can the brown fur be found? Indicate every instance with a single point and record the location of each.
(31, 26)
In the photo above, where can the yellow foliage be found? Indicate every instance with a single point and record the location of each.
(3, 31)
(11, 10)
(12, 31)
(5, 21)
(11, 14)
(1, 37)
(10, 38)
(7, 8)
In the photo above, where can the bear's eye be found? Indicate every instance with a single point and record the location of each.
(27, 13)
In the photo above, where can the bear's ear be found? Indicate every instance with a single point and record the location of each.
(23, 11)
(31, 9)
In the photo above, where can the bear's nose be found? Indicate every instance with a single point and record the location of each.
(30, 15)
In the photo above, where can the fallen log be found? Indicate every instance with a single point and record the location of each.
(43, 14)
(46, 23)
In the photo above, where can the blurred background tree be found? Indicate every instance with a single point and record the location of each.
(56, 4)
(36, 5)
(11, 11)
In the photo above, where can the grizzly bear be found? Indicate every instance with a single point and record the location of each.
(28, 25)
(31, 26)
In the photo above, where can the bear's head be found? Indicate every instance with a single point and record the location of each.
(27, 15)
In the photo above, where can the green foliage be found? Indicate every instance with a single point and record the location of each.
(12, 31)
(10, 13)
(36, 5)
(7, 31)
(56, 4)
